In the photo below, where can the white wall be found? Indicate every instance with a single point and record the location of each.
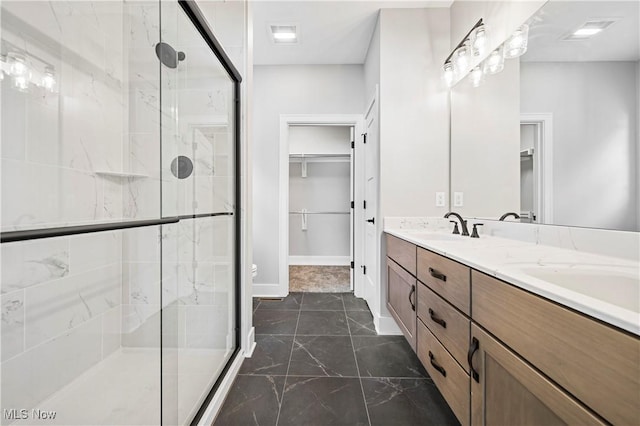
(594, 107)
(414, 120)
(289, 89)
(372, 64)
(485, 144)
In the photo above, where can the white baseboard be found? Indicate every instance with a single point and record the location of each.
(320, 260)
(386, 326)
(225, 386)
(267, 290)
(251, 339)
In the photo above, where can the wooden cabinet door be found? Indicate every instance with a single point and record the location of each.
(401, 299)
(510, 392)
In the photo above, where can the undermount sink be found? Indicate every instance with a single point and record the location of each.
(620, 288)
(432, 236)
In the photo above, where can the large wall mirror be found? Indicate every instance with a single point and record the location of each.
(555, 136)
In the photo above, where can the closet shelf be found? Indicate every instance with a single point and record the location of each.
(301, 212)
(526, 153)
(120, 174)
(295, 158)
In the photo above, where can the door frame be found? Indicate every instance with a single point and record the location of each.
(543, 162)
(287, 120)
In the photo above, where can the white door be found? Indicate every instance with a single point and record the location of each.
(370, 246)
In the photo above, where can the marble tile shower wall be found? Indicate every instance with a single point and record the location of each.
(63, 300)
(61, 312)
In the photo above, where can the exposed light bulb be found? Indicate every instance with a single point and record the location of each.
(479, 41)
(476, 76)
(48, 79)
(516, 45)
(18, 65)
(461, 58)
(495, 62)
(448, 74)
(21, 82)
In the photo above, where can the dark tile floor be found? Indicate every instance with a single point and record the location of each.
(318, 361)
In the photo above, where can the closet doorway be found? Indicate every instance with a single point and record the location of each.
(317, 190)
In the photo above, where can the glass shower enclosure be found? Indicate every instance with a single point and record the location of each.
(119, 212)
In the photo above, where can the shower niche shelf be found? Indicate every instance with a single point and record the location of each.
(121, 174)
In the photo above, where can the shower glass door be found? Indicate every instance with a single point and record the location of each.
(119, 222)
(199, 186)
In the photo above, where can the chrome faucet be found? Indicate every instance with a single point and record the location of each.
(506, 215)
(463, 223)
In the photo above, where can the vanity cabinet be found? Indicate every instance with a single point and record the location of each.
(594, 362)
(402, 285)
(508, 391)
(501, 355)
(443, 327)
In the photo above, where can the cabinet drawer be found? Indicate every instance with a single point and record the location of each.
(596, 363)
(401, 296)
(452, 381)
(445, 322)
(449, 279)
(402, 252)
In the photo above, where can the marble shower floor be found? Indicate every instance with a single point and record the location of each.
(124, 389)
(319, 278)
(318, 361)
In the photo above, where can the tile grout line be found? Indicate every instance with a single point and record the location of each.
(355, 358)
(293, 342)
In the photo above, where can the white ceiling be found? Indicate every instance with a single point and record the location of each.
(330, 32)
(619, 42)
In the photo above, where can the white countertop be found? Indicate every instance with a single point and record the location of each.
(603, 287)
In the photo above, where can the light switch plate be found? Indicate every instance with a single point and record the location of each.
(440, 199)
(458, 199)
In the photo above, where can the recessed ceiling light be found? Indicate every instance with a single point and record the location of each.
(589, 29)
(285, 34)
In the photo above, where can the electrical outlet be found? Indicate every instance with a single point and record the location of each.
(458, 200)
(439, 199)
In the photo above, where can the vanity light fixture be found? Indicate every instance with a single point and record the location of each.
(495, 62)
(48, 79)
(516, 45)
(448, 73)
(476, 76)
(17, 65)
(479, 43)
(459, 59)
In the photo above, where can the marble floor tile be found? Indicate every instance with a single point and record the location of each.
(291, 302)
(322, 302)
(322, 323)
(270, 357)
(319, 278)
(323, 356)
(361, 323)
(405, 402)
(253, 400)
(322, 401)
(352, 303)
(386, 356)
(275, 322)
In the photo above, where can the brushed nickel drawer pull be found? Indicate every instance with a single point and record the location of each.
(437, 320)
(436, 366)
(437, 275)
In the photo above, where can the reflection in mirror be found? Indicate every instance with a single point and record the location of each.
(571, 156)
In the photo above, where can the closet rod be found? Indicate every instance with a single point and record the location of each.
(319, 155)
(300, 212)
